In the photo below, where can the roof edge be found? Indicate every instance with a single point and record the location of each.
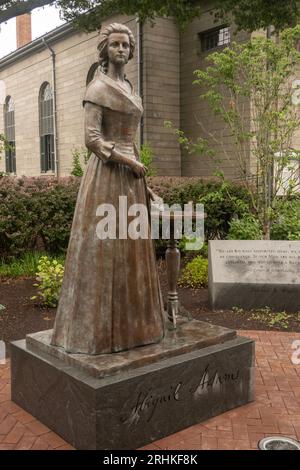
(37, 44)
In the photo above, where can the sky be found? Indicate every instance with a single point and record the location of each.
(43, 20)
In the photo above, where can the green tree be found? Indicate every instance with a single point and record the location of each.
(11, 8)
(80, 157)
(182, 10)
(76, 166)
(247, 14)
(147, 158)
(261, 73)
(252, 15)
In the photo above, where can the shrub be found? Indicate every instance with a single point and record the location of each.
(195, 273)
(246, 228)
(49, 276)
(76, 166)
(147, 159)
(222, 201)
(19, 219)
(80, 159)
(35, 211)
(287, 224)
(204, 251)
(57, 206)
(165, 185)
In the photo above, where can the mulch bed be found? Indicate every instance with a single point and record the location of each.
(196, 301)
(22, 316)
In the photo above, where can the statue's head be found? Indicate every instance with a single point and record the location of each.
(117, 44)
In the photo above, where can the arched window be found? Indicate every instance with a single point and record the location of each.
(9, 129)
(92, 72)
(46, 128)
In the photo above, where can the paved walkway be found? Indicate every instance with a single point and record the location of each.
(275, 411)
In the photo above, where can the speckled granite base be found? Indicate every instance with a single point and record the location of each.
(137, 405)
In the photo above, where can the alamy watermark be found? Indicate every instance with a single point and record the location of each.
(2, 353)
(163, 222)
(296, 353)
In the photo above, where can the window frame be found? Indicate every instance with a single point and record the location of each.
(46, 126)
(10, 135)
(204, 35)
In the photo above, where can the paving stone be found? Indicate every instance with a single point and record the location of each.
(274, 411)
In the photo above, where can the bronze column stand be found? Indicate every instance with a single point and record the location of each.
(173, 258)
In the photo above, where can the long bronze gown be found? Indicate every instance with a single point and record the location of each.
(110, 298)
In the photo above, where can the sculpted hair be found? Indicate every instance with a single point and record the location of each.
(104, 35)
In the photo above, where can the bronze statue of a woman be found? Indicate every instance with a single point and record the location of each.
(110, 299)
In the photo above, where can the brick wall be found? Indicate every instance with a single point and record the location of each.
(23, 29)
(162, 94)
(23, 80)
(197, 119)
(74, 57)
(169, 61)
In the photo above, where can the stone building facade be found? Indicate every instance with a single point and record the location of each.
(162, 72)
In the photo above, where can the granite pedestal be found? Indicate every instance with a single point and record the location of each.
(129, 399)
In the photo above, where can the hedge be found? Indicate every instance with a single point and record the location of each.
(38, 212)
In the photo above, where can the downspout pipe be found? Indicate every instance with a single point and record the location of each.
(140, 60)
(56, 155)
(270, 194)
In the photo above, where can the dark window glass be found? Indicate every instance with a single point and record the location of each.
(215, 38)
(46, 128)
(9, 126)
(47, 153)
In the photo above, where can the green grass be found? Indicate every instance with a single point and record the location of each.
(26, 266)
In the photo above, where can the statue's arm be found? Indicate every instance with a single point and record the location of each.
(93, 136)
(103, 149)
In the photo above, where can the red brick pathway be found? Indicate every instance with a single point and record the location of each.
(276, 409)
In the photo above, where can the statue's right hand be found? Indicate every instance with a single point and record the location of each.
(139, 169)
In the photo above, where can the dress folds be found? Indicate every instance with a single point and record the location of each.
(110, 299)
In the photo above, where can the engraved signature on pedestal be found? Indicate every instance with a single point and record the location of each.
(148, 403)
(213, 381)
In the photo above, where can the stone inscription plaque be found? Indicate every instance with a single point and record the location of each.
(254, 274)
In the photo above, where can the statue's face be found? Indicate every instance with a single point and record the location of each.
(118, 48)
